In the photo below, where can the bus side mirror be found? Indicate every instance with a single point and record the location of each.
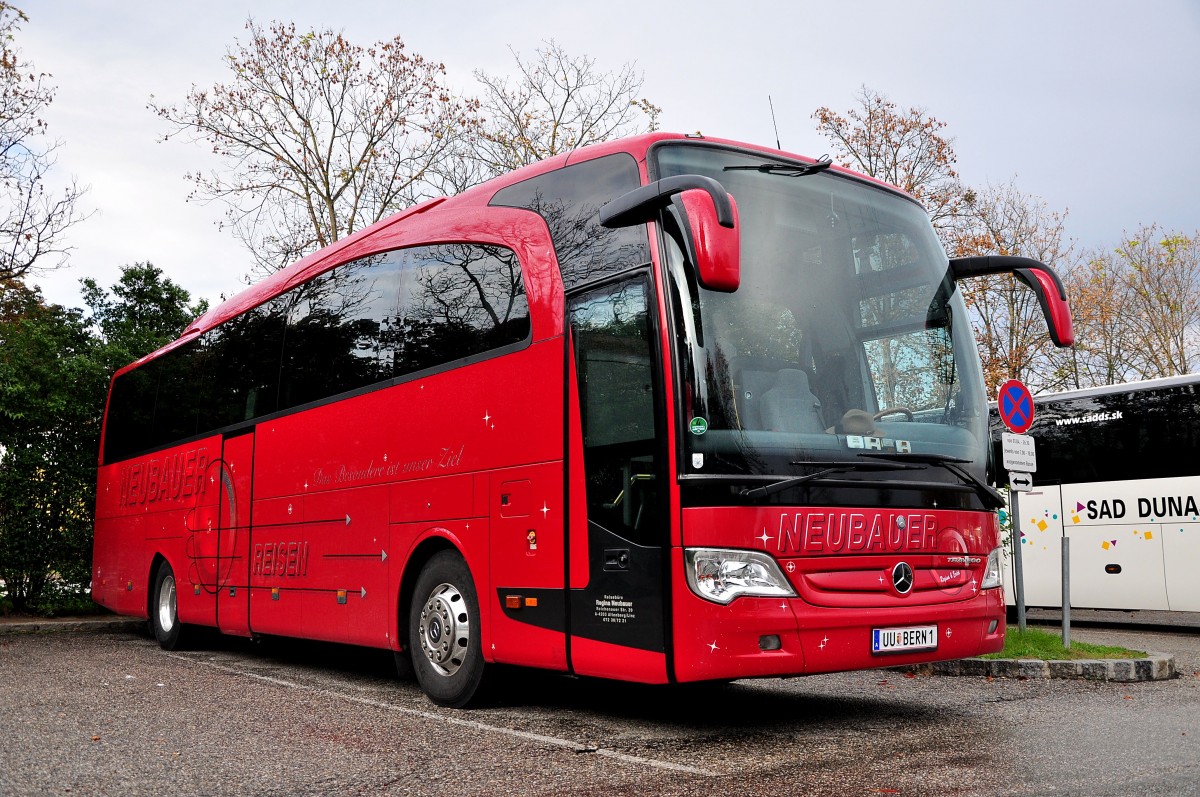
(1040, 278)
(713, 247)
(708, 218)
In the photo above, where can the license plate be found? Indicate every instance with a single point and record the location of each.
(899, 640)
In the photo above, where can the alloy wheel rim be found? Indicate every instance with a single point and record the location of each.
(445, 629)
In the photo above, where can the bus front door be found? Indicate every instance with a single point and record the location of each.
(618, 555)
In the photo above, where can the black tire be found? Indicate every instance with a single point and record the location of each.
(164, 614)
(443, 632)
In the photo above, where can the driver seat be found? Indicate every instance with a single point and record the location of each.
(790, 406)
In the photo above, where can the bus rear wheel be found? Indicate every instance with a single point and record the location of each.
(443, 632)
(164, 610)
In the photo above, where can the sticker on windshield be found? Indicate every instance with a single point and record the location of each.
(698, 426)
(878, 443)
(697, 461)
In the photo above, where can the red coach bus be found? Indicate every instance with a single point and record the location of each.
(665, 409)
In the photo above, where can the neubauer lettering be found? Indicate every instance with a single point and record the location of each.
(168, 478)
(838, 532)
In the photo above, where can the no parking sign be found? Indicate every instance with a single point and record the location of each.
(1015, 404)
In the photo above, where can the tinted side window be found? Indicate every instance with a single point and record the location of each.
(335, 327)
(243, 366)
(457, 300)
(570, 199)
(156, 404)
(389, 315)
(130, 413)
(177, 405)
(360, 324)
(614, 360)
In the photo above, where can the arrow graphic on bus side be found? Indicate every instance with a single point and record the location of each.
(345, 521)
(381, 556)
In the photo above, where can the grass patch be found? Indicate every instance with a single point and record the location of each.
(1034, 643)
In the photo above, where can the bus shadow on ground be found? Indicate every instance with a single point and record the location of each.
(751, 705)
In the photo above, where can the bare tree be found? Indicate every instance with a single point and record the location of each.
(555, 103)
(1162, 270)
(33, 217)
(1103, 349)
(1136, 310)
(1009, 326)
(319, 137)
(904, 148)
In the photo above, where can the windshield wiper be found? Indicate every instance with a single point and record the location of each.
(834, 467)
(786, 169)
(990, 497)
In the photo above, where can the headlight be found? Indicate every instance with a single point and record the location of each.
(992, 577)
(720, 575)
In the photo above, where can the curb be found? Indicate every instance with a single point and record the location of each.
(1155, 667)
(54, 626)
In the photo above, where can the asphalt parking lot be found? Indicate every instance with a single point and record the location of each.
(108, 712)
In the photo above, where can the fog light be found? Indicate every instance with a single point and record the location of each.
(992, 626)
(769, 642)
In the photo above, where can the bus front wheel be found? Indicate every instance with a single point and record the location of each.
(443, 631)
(164, 612)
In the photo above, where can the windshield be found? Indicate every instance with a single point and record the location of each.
(846, 337)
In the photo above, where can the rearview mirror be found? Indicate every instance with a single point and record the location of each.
(1042, 279)
(708, 217)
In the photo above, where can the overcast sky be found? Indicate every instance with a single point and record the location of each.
(1093, 106)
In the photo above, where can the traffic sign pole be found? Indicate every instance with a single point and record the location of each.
(1018, 571)
(1066, 591)
(1014, 403)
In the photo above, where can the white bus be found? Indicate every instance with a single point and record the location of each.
(1118, 472)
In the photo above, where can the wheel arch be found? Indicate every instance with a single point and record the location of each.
(157, 561)
(417, 560)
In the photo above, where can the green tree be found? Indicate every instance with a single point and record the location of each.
(145, 310)
(55, 365)
(51, 393)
